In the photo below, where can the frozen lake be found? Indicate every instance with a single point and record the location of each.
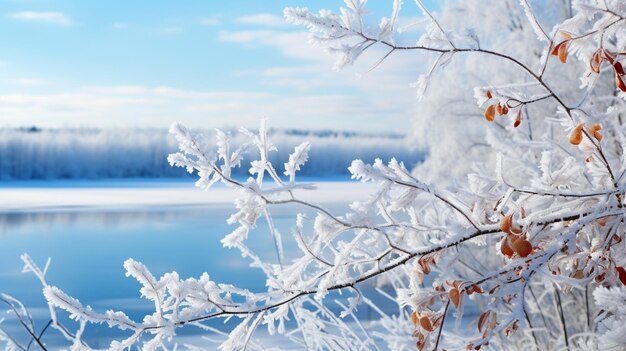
(89, 230)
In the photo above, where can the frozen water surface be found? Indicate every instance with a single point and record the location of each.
(89, 229)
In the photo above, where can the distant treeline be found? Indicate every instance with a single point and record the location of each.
(34, 153)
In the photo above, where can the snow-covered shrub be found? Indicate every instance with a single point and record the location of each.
(526, 253)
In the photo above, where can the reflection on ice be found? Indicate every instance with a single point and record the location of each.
(88, 247)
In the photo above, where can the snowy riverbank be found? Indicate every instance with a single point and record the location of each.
(37, 196)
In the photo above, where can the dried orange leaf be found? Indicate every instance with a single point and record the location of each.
(522, 247)
(426, 324)
(576, 137)
(506, 223)
(455, 297)
(566, 35)
(423, 262)
(490, 113)
(505, 249)
(597, 135)
(563, 52)
(477, 289)
(481, 320)
(555, 49)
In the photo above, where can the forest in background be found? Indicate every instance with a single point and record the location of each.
(48, 154)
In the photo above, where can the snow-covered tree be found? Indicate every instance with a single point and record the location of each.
(525, 252)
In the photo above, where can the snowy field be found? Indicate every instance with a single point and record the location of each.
(63, 195)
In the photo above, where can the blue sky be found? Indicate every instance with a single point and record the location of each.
(204, 63)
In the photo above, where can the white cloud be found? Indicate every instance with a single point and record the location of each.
(380, 99)
(47, 17)
(305, 94)
(262, 19)
(290, 44)
(136, 105)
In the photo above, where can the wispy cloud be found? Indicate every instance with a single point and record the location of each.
(158, 106)
(120, 25)
(30, 81)
(169, 30)
(210, 21)
(262, 19)
(290, 44)
(47, 17)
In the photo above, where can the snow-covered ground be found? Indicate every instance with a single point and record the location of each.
(28, 196)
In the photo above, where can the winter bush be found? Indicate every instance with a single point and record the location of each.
(525, 252)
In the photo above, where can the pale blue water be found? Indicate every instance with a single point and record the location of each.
(88, 248)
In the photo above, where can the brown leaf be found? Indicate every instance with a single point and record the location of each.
(566, 35)
(563, 52)
(555, 49)
(522, 247)
(596, 61)
(618, 68)
(505, 223)
(490, 113)
(455, 297)
(607, 55)
(477, 289)
(597, 135)
(489, 96)
(505, 249)
(421, 341)
(576, 137)
(426, 324)
(481, 320)
(423, 262)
